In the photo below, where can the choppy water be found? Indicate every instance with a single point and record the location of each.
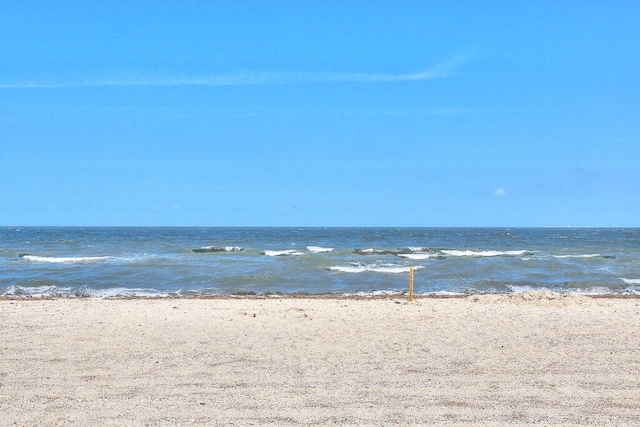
(73, 261)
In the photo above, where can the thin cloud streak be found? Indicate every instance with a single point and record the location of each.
(247, 79)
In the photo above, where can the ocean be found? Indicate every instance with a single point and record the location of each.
(190, 261)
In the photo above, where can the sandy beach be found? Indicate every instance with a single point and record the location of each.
(523, 359)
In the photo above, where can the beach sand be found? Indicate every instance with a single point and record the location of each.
(536, 358)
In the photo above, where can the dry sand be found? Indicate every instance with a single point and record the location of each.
(525, 359)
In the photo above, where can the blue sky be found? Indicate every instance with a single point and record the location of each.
(302, 113)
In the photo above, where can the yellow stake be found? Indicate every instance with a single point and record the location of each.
(410, 283)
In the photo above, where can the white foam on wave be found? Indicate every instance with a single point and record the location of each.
(577, 256)
(35, 291)
(522, 288)
(290, 252)
(68, 292)
(630, 281)
(215, 249)
(225, 248)
(318, 249)
(418, 256)
(125, 292)
(137, 258)
(393, 269)
(370, 251)
(452, 252)
(36, 258)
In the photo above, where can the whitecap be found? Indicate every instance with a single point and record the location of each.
(418, 256)
(369, 251)
(36, 258)
(630, 281)
(289, 252)
(482, 253)
(577, 256)
(347, 269)
(217, 249)
(373, 251)
(318, 249)
(388, 268)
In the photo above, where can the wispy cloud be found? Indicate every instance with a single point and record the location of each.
(246, 78)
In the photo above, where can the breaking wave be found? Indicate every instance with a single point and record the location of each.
(419, 256)
(426, 253)
(585, 256)
(206, 249)
(479, 254)
(318, 249)
(376, 268)
(372, 251)
(81, 292)
(290, 252)
(60, 260)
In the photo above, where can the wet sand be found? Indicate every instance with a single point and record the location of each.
(536, 358)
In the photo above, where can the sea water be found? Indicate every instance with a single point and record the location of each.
(145, 261)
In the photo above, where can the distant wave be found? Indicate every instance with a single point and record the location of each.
(290, 252)
(630, 281)
(577, 256)
(586, 256)
(205, 249)
(318, 249)
(419, 256)
(373, 251)
(417, 253)
(58, 260)
(483, 253)
(376, 268)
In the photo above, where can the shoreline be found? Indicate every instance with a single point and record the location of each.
(535, 358)
(394, 296)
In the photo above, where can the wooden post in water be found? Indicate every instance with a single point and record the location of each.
(410, 283)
